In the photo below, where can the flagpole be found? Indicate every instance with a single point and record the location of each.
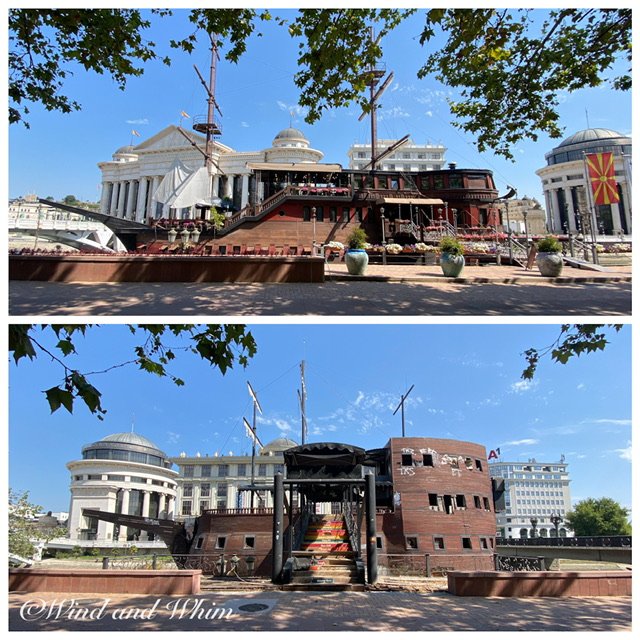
(592, 209)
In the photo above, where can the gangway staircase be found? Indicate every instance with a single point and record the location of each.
(326, 560)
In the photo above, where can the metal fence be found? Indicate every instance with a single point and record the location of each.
(581, 541)
(215, 564)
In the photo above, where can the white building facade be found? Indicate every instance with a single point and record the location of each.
(220, 482)
(122, 473)
(165, 176)
(567, 189)
(409, 157)
(535, 491)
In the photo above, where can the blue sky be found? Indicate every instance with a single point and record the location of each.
(467, 386)
(59, 154)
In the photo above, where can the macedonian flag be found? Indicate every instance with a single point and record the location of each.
(603, 183)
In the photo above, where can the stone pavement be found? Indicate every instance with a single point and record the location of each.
(385, 291)
(318, 611)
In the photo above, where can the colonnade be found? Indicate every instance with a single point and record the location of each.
(133, 199)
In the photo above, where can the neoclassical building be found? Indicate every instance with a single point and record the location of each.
(216, 482)
(122, 473)
(565, 184)
(409, 157)
(165, 177)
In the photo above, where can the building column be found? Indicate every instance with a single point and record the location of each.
(130, 199)
(104, 198)
(244, 198)
(121, 194)
(557, 210)
(571, 215)
(551, 221)
(215, 189)
(142, 200)
(125, 511)
(228, 187)
(171, 508)
(146, 500)
(151, 212)
(113, 204)
(615, 218)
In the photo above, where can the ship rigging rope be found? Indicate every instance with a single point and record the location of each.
(248, 404)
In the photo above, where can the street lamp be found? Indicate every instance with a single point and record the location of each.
(534, 524)
(555, 520)
(313, 219)
(526, 226)
(384, 239)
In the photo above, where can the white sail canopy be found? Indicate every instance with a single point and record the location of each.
(184, 187)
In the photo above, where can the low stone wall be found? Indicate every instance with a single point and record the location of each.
(129, 268)
(537, 584)
(169, 582)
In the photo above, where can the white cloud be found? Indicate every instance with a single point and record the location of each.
(172, 437)
(581, 386)
(429, 114)
(359, 399)
(524, 441)
(393, 112)
(138, 121)
(622, 423)
(244, 124)
(625, 453)
(296, 109)
(522, 386)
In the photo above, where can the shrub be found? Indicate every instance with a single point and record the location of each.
(550, 244)
(452, 246)
(357, 239)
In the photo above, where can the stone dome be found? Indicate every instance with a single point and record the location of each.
(290, 137)
(575, 146)
(290, 132)
(128, 148)
(591, 135)
(125, 446)
(277, 446)
(130, 438)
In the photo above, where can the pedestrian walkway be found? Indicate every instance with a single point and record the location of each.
(320, 611)
(396, 291)
(490, 273)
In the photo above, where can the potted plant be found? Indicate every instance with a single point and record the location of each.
(356, 256)
(451, 257)
(549, 257)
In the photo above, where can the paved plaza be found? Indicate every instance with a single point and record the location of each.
(385, 291)
(318, 611)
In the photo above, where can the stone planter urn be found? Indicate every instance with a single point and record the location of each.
(451, 265)
(356, 261)
(549, 264)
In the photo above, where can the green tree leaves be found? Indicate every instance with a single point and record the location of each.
(599, 517)
(573, 340)
(222, 346)
(510, 67)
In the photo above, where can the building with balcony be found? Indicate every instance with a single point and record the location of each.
(534, 493)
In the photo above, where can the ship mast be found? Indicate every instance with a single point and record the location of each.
(302, 396)
(210, 127)
(373, 76)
